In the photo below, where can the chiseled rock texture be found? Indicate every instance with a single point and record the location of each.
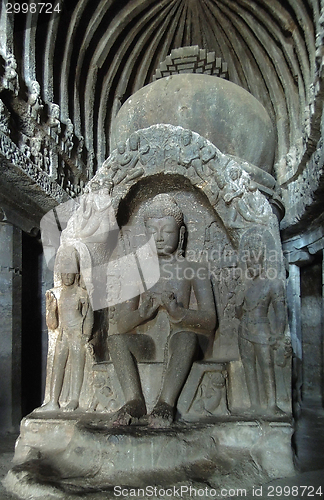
(88, 454)
(222, 112)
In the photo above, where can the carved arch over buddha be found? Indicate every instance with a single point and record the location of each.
(220, 201)
(222, 207)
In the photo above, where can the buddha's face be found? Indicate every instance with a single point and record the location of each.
(165, 232)
(68, 278)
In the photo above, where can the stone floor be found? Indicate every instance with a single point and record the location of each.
(308, 442)
(7, 444)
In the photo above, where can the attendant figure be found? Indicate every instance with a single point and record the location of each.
(68, 310)
(257, 339)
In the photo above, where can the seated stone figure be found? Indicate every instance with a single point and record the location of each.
(164, 220)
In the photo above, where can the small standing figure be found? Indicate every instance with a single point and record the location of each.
(53, 122)
(67, 141)
(242, 198)
(207, 153)
(189, 149)
(24, 144)
(190, 154)
(79, 158)
(257, 336)
(35, 149)
(68, 310)
(11, 81)
(35, 105)
(46, 161)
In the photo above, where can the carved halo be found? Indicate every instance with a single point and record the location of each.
(167, 149)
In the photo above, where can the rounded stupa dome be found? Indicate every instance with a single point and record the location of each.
(219, 110)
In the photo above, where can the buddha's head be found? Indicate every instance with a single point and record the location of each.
(164, 221)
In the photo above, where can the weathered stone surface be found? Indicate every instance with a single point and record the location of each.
(192, 60)
(28, 191)
(286, 76)
(163, 158)
(220, 111)
(88, 455)
(168, 381)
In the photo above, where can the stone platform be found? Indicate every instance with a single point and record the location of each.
(57, 454)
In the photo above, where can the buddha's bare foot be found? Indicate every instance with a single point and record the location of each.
(50, 406)
(162, 416)
(72, 405)
(130, 412)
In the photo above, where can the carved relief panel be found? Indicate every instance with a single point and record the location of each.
(167, 184)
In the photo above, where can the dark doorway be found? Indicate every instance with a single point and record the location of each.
(31, 324)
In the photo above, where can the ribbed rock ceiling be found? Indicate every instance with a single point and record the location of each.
(94, 55)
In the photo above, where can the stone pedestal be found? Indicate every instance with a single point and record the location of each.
(10, 332)
(63, 453)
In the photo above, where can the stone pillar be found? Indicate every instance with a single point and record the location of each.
(294, 307)
(10, 327)
(47, 283)
(312, 326)
(6, 30)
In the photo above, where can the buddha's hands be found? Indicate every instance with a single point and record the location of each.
(149, 306)
(175, 310)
